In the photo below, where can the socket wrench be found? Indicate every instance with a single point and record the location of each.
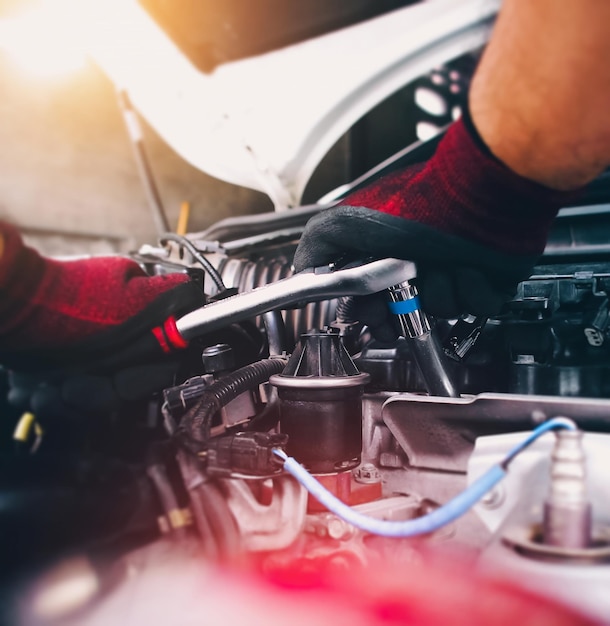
(416, 329)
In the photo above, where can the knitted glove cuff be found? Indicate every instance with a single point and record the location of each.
(465, 191)
(21, 270)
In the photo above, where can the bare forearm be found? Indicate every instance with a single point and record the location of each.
(541, 95)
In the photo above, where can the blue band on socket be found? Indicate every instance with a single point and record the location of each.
(404, 306)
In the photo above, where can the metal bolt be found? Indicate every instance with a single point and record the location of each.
(494, 499)
(367, 474)
(338, 529)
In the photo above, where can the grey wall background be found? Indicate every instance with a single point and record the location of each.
(68, 177)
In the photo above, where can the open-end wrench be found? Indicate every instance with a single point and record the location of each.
(322, 283)
(312, 285)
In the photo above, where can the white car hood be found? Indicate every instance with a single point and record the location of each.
(266, 122)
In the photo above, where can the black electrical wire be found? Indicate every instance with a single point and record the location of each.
(184, 242)
(267, 418)
(169, 502)
(224, 528)
(214, 520)
(204, 528)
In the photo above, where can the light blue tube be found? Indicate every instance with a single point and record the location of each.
(421, 525)
(440, 517)
(552, 424)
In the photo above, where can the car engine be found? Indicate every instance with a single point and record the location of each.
(285, 436)
(279, 366)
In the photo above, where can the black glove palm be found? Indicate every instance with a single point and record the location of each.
(474, 227)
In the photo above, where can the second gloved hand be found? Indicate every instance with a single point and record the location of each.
(474, 227)
(104, 312)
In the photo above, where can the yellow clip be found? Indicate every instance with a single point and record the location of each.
(183, 218)
(175, 519)
(179, 518)
(24, 427)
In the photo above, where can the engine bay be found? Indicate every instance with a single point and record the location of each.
(286, 436)
(278, 367)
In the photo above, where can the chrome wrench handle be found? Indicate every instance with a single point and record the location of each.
(311, 285)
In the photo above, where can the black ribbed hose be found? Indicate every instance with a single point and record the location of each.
(197, 421)
(345, 311)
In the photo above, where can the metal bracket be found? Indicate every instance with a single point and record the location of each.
(267, 527)
(439, 433)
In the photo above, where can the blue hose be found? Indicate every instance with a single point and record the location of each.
(440, 517)
(555, 423)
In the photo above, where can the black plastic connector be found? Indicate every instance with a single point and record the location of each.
(245, 453)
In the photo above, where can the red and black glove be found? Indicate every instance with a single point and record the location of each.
(66, 314)
(473, 226)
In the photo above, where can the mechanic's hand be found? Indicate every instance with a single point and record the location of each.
(65, 315)
(474, 227)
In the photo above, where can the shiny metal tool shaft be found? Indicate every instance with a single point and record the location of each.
(415, 327)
